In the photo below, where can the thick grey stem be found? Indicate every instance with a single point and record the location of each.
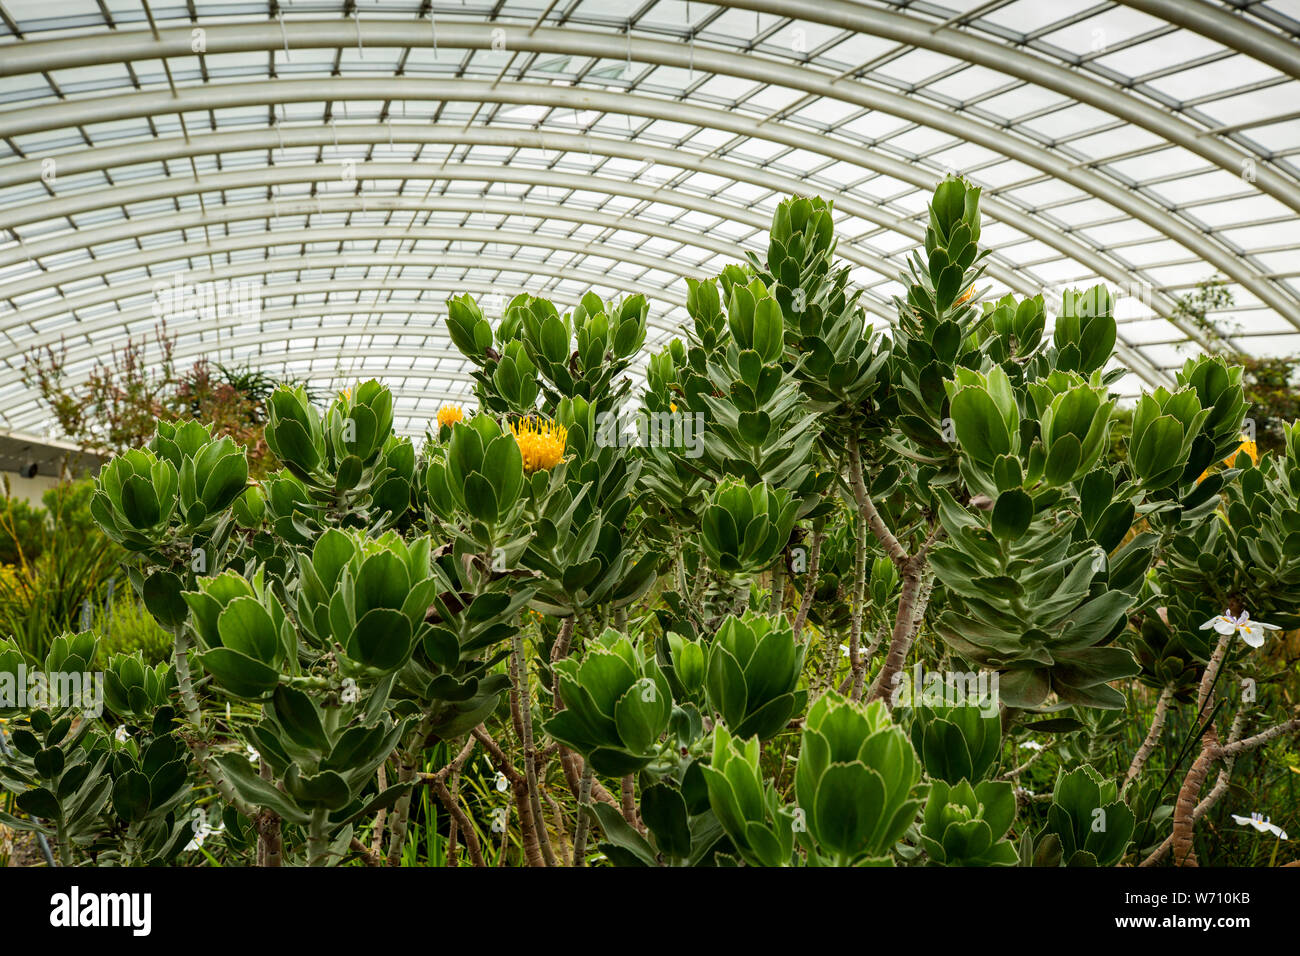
(584, 809)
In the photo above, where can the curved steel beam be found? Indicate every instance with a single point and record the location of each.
(230, 95)
(1041, 71)
(383, 33)
(155, 189)
(316, 173)
(1236, 32)
(143, 258)
(311, 262)
(272, 210)
(100, 158)
(100, 267)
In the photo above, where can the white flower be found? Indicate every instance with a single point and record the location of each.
(253, 755)
(1252, 632)
(501, 782)
(1031, 745)
(1260, 823)
(201, 832)
(121, 734)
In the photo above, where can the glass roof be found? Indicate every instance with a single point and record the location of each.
(321, 175)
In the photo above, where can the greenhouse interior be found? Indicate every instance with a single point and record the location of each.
(758, 434)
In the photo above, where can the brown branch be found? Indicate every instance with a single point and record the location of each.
(1216, 793)
(1152, 737)
(897, 553)
(370, 856)
(519, 786)
(467, 827)
(1259, 739)
(521, 713)
(906, 620)
(629, 803)
(1185, 805)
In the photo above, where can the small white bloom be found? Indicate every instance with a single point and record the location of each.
(1260, 823)
(121, 734)
(502, 783)
(253, 755)
(201, 832)
(1031, 745)
(844, 650)
(1252, 632)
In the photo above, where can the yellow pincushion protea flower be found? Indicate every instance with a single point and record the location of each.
(1249, 447)
(450, 415)
(541, 443)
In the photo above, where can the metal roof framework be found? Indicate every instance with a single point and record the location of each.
(358, 161)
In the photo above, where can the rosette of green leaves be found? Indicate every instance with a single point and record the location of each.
(689, 665)
(213, 471)
(346, 467)
(1218, 388)
(149, 785)
(840, 362)
(759, 426)
(245, 636)
(672, 477)
(986, 422)
(505, 375)
(1251, 547)
(582, 353)
(249, 508)
(1173, 654)
(134, 690)
(936, 331)
(752, 675)
(294, 433)
(473, 612)
(478, 481)
(744, 528)
(322, 754)
(854, 781)
(136, 497)
(746, 803)
(617, 705)
(57, 777)
(1092, 825)
(681, 830)
(1014, 335)
(1029, 595)
(1084, 334)
(965, 826)
(959, 741)
(1165, 426)
(365, 599)
(1178, 435)
(1074, 423)
(583, 542)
